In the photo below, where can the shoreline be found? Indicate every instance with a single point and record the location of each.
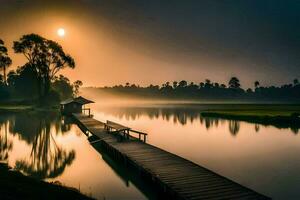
(26, 108)
(15, 185)
(287, 119)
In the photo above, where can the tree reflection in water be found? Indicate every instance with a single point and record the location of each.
(47, 159)
(234, 127)
(6, 145)
(181, 114)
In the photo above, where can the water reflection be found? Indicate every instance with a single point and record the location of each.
(46, 146)
(179, 115)
(6, 144)
(47, 159)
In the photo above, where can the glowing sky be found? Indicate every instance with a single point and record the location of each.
(139, 41)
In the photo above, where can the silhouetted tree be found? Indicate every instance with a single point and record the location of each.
(223, 86)
(63, 87)
(207, 83)
(5, 60)
(175, 84)
(76, 85)
(24, 81)
(249, 90)
(256, 84)
(296, 81)
(234, 83)
(182, 84)
(45, 56)
(212, 91)
(201, 85)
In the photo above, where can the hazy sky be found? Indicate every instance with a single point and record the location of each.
(143, 42)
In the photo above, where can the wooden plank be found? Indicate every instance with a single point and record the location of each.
(185, 178)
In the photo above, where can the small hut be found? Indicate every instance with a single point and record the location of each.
(75, 105)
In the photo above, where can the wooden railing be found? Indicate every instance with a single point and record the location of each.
(140, 133)
(119, 128)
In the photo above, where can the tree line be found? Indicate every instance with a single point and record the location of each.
(209, 90)
(38, 78)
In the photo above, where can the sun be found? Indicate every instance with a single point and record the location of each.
(61, 32)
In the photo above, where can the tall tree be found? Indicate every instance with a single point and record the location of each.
(45, 56)
(234, 83)
(5, 60)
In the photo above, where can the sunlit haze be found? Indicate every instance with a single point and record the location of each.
(143, 42)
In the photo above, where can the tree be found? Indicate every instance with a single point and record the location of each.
(5, 60)
(175, 83)
(76, 85)
(249, 90)
(216, 85)
(201, 84)
(63, 87)
(223, 86)
(256, 84)
(182, 84)
(234, 83)
(45, 56)
(207, 83)
(24, 81)
(296, 81)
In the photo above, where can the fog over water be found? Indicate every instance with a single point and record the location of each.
(263, 158)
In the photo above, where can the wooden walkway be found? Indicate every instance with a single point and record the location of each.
(176, 176)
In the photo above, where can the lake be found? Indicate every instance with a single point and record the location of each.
(49, 147)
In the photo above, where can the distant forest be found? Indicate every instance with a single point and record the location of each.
(208, 90)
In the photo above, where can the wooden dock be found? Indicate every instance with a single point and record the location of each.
(175, 176)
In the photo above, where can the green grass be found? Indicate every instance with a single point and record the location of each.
(26, 108)
(281, 116)
(270, 110)
(259, 113)
(15, 107)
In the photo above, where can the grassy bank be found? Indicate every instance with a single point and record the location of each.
(14, 185)
(25, 108)
(281, 117)
(15, 108)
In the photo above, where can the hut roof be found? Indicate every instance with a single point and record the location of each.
(79, 100)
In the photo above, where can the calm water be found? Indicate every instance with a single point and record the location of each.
(263, 158)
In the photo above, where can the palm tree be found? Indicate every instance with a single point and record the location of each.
(5, 60)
